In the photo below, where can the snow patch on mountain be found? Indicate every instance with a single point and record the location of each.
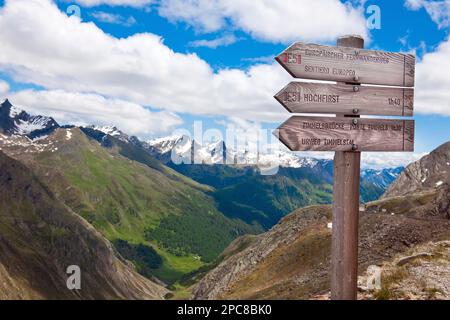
(166, 144)
(14, 111)
(111, 130)
(24, 127)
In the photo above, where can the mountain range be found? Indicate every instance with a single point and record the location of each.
(192, 159)
(167, 219)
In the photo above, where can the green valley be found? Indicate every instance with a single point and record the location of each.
(170, 215)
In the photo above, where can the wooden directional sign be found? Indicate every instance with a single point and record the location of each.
(349, 65)
(346, 134)
(343, 64)
(302, 97)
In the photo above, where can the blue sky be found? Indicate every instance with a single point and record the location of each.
(219, 43)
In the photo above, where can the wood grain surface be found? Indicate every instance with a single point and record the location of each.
(301, 133)
(344, 64)
(344, 251)
(305, 97)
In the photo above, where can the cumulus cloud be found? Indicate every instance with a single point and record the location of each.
(439, 11)
(128, 3)
(80, 57)
(432, 95)
(223, 41)
(85, 109)
(270, 20)
(112, 18)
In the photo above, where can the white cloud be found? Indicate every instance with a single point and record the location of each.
(414, 4)
(112, 18)
(439, 11)
(270, 20)
(141, 69)
(4, 88)
(80, 57)
(129, 3)
(223, 41)
(86, 109)
(204, 15)
(432, 94)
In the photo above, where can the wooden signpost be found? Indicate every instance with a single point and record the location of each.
(347, 134)
(346, 64)
(303, 97)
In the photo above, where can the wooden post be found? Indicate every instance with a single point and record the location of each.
(344, 251)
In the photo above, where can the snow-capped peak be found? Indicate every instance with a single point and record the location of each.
(217, 152)
(112, 131)
(166, 144)
(15, 121)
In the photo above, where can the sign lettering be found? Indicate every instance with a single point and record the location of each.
(343, 64)
(304, 97)
(346, 134)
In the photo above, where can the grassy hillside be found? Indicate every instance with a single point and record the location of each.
(140, 204)
(40, 237)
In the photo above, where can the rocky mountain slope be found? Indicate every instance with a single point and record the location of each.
(40, 237)
(427, 173)
(291, 261)
(421, 273)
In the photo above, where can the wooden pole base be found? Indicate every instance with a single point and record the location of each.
(344, 253)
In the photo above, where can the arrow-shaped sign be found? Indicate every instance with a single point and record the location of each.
(343, 64)
(346, 134)
(302, 97)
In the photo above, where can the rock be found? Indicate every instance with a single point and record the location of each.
(405, 260)
(445, 243)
